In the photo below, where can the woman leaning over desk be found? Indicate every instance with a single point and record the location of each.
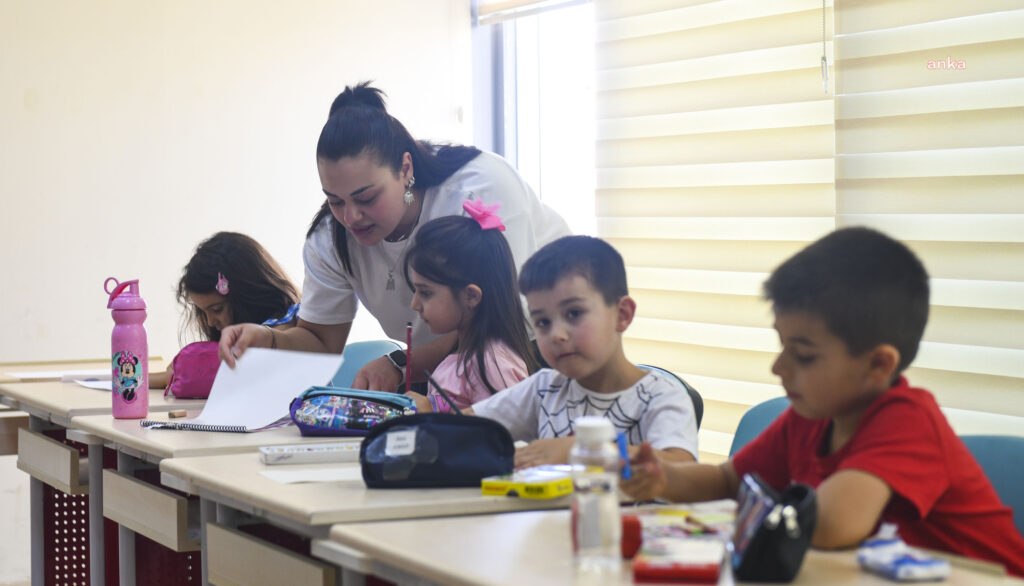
(381, 185)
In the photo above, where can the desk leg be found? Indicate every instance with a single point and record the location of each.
(207, 513)
(227, 516)
(35, 503)
(125, 536)
(349, 577)
(97, 543)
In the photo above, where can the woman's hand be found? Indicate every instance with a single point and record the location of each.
(378, 375)
(234, 340)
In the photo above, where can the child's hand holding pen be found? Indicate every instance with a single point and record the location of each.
(422, 403)
(647, 480)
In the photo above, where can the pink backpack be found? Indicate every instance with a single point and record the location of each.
(193, 371)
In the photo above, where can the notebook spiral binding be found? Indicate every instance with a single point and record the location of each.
(151, 424)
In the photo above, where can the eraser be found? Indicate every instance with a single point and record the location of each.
(176, 414)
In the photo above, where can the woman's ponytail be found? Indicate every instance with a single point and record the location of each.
(361, 94)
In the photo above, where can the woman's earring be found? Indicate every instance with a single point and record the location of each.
(408, 197)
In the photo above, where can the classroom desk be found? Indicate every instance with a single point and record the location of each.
(51, 406)
(236, 485)
(56, 402)
(132, 502)
(156, 364)
(535, 548)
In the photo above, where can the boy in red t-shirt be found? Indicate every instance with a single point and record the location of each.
(850, 310)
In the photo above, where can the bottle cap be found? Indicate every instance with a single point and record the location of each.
(122, 299)
(593, 430)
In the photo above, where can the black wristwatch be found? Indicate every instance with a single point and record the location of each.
(397, 359)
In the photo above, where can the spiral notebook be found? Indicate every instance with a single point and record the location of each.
(255, 395)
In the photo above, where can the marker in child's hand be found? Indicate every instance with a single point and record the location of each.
(441, 391)
(627, 472)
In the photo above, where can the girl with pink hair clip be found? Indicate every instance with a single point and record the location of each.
(463, 279)
(232, 279)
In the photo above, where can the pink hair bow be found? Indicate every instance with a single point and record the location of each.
(484, 214)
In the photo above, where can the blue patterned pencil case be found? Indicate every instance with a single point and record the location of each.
(335, 411)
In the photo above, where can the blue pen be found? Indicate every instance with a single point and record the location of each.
(624, 452)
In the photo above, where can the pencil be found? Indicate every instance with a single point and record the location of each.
(442, 393)
(408, 356)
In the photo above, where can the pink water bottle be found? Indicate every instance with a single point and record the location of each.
(130, 352)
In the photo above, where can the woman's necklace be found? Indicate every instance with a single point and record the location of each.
(390, 285)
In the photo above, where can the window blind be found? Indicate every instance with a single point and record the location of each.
(930, 149)
(495, 11)
(715, 162)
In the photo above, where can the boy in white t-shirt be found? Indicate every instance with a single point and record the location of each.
(579, 306)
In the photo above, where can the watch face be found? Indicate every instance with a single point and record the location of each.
(398, 357)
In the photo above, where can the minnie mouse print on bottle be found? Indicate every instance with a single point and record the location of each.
(129, 350)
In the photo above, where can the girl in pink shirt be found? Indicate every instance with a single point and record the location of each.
(463, 280)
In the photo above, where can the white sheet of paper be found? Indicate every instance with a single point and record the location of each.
(90, 375)
(289, 476)
(63, 375)
(99, 385)
(259, 389)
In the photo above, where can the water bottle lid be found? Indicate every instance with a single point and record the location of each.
(121, 299)
(593, 430)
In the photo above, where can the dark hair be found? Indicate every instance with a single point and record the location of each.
(867, 287)
(258, 289)
(591, 258)
(455, 251)
(358, 123)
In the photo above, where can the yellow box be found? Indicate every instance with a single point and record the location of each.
(540, 482)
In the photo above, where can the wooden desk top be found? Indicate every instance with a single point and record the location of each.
(534, 548)
(156, 444)
(59, 402)
(156, 364)
(236, 479)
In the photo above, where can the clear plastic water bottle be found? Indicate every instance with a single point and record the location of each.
(596, 522)
(129, 350)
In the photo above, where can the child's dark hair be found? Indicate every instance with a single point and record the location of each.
(455, 251)
(258, 289)
(591, 258)
(867, 287)
(358, 123)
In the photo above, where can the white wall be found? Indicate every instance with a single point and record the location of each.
(132, 130)
(129, 131)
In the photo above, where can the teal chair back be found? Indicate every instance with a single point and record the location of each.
(755, 420)
(355, 355)
(698, 402)
(1001, 458)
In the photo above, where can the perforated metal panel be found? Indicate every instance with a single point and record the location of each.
(66, 540)
(160, 566)
(65, 533)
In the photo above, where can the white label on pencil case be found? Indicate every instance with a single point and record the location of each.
(400, 443)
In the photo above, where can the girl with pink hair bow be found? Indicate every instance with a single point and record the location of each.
(463, 279)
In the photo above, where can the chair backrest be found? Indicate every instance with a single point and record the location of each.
(698, 402)
(996, 454)
(755, 420)
(355, 355)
